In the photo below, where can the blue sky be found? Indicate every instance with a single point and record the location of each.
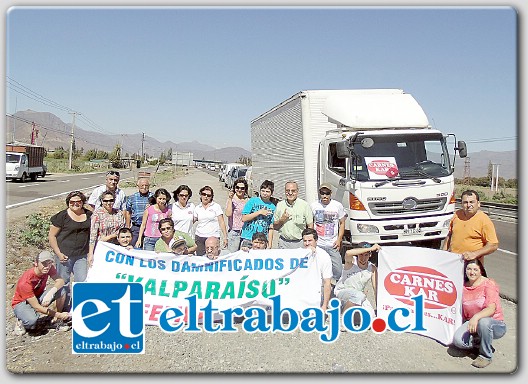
(203, 74)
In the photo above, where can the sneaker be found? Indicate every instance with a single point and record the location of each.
(19, 328)
(60, 326)
(481, 362)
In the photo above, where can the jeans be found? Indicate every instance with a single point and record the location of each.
(487, 329)
(233, 240)
(76, 264)
(289, 244)
(27, 314)
(149, 243)
(337, 261)
(135, 234)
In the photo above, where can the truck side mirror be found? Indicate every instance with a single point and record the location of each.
(342, 151)
(462, 149)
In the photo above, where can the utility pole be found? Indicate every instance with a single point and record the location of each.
(467, 171)
(495, 177)
(142, 142)
(72, 139)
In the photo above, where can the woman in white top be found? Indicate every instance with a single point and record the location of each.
(183, 210)
(210, 220)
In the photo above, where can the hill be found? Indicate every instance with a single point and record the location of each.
(479, 161)
(54, 133)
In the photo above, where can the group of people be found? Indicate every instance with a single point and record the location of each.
(147, 220)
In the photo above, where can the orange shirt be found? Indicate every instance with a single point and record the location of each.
(471, 234)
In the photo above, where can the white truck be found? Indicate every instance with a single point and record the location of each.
(391, 171)
(25, 161)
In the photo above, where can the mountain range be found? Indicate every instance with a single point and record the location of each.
(54, 133)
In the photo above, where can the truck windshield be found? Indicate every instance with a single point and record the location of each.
(12, 158)
(406, 157)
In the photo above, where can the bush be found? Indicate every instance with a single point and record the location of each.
(36, 231)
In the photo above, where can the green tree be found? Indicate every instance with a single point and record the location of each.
(115, 157)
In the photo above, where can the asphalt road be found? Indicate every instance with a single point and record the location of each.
(501, 265)
(53, 185)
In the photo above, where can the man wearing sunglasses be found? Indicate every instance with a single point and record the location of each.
(111, 184)
(329, 220)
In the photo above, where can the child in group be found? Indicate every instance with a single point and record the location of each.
(357, 272)
(257, 215)
(124, 237)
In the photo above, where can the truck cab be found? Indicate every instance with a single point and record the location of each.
(398, 185)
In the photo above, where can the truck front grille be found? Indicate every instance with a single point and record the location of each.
(386, 208)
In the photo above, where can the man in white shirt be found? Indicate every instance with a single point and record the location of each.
(329, 222)
(324, 264)
(112, 181)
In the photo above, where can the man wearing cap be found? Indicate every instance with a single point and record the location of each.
(291, 217)
(135, 207)
(329, 222)
(111, 184)
(32, 299)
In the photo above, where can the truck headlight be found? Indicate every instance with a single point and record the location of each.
(367, 228)
(16, 168)
(446, 223)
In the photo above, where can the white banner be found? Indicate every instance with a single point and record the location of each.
(405, 272)
(238, 279)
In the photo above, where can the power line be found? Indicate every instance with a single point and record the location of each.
(29, 93)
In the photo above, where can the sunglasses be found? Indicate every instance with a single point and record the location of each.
(112, 173)
(76, 202)
(165, 229)
(207, 195)
(183, 195)
(108, 201)
(325, 193)
(240, 188)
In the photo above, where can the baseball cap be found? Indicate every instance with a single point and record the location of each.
(177, 241)
(364, 244)
(326, 186)
(45, 255)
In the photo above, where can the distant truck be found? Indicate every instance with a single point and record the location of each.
(25, 161)
(387, 166)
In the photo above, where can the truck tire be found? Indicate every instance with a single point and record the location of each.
(24, 177)
(33, 176)
(43, 173)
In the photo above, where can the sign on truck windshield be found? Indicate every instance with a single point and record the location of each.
(404, 157)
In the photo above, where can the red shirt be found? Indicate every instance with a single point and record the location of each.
(475, 299)
(30, 285)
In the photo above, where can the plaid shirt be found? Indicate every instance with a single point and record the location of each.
(136, 205)
(104, 223)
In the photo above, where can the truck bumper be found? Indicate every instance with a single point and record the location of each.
(401, 230)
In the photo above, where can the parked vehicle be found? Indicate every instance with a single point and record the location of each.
(235, 173)
(391, 171)
(25, 161)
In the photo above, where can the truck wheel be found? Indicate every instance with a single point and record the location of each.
(24, 177)
(33, 176)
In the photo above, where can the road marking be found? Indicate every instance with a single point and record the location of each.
(85, 178)
(505, 251)
(64, 181)
(47, 197)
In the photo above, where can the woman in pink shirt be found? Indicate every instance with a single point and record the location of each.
(151, 218)
(482, 314)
